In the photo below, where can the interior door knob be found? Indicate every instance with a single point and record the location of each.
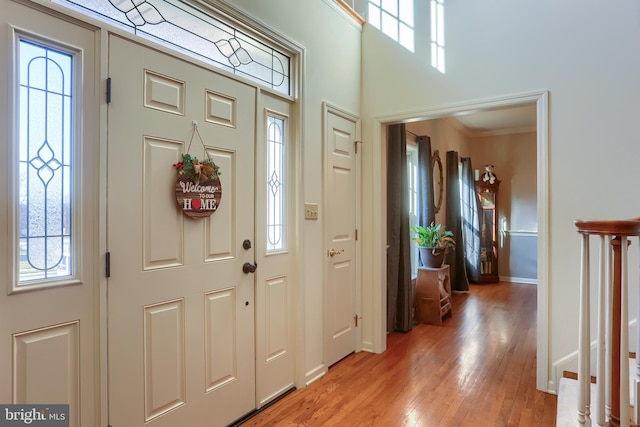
(333, 252)
(247, 267)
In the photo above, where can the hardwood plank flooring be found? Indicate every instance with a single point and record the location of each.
(477, 369)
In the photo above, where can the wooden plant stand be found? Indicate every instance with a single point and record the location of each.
(433, 295)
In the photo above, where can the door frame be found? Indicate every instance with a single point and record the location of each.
(297, 53)
(328, 108)
(377, 287)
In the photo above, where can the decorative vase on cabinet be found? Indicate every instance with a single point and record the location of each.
(488, 198)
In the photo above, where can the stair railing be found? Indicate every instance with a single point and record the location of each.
(612, 342)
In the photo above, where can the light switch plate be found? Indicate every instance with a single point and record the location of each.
(310, 211)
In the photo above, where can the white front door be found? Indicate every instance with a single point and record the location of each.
(180, 308)
(340, 312)
(48, 214)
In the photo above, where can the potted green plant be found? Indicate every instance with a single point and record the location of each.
(433, 242)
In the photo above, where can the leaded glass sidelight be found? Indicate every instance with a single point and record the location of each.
(44, 162)
(276, 180)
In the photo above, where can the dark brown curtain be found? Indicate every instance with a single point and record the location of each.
(470, 212)
(426, 208)
(455, 259)
(399, 298)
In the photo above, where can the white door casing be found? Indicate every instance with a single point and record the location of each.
(341, 303)
(48, 331)
(181, 310)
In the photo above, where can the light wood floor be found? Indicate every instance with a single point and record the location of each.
(477, 369)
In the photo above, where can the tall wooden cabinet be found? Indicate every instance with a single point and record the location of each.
(488, 200)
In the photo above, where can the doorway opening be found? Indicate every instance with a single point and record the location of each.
(539, 101)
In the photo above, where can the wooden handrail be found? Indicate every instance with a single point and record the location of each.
(351, 12)
(625, 227)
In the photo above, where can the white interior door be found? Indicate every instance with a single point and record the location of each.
(48, 212)
(340, 312)
(181, 309)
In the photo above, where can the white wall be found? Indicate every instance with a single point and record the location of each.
(585, 54)
(331, 73)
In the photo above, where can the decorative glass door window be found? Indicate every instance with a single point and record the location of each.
(44, 155)
(198, 33)
(276, 180)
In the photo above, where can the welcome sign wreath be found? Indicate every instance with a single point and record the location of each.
(198, 187)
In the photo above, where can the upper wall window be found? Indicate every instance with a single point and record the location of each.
(395, 19)
(437, 35)
(198, 33)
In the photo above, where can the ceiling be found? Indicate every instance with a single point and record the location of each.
(501, 119)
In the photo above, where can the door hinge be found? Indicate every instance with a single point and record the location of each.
(356, 317)
(108, 90)
(107, 264)
(356, 234)
(356, 145)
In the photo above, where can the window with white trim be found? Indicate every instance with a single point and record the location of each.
(412, 170)
(437, 35)
(395, 19)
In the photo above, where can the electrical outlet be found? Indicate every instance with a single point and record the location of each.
(310, 211)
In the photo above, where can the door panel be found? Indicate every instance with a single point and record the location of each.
(38, 351)
(48, 326)
(341, 224)
(164, 364)
(221, 239)
(162, 232)
(181, 310)
(275, 361)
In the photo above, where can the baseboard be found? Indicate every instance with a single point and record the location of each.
(524, 280)
(367, 346)
(314, 374)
